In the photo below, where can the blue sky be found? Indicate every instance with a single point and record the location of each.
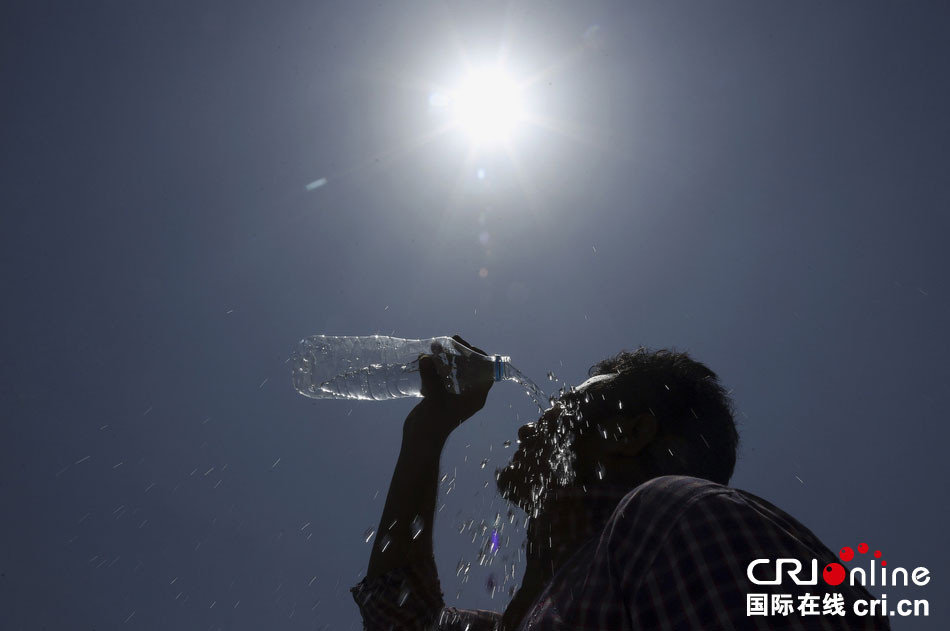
(762, 184)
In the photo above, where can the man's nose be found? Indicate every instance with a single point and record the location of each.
(526, 431)
(529, 430)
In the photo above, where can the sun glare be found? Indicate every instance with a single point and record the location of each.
(486, 112)
(487, 106)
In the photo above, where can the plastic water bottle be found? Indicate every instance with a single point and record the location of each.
(379, 367)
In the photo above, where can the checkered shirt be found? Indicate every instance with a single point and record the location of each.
(670, 554)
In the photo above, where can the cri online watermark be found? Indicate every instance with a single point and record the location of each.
(834, 574)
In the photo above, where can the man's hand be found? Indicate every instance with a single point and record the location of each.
(440, 411)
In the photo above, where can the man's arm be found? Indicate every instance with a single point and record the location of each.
(410, 502)
(411, 497)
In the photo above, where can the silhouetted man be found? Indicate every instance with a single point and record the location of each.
(632, 526)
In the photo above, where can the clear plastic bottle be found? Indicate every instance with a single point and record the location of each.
(379, 367)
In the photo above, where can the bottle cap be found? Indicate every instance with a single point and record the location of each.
(498, 363)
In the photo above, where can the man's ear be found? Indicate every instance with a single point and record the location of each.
(636, 434)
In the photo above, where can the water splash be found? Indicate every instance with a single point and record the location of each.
(418, 524)
(530, 388)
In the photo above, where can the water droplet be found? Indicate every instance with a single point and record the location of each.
(418, 524)
(484, 463)
(552, 376)
(384, 542)
(368, 534)
(507, 444)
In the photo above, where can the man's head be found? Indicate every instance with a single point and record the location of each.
(641, 415)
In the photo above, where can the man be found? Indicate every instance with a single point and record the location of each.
(632, 526)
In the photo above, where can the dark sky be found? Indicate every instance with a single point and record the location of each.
(764, 184)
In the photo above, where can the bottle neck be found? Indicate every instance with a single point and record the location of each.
(501, 365)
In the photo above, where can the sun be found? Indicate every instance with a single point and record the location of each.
(487, 106)
(484, 110)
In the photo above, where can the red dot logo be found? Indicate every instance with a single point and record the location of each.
(862, 548)
(833, 574)
(846, 554)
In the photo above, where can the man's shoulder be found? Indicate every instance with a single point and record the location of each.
(664, 505)
(648, 512)
(657, 504)
(678, 490)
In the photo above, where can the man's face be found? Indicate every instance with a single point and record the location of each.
(547, 449)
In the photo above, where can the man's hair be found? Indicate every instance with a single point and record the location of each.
(688, 402)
